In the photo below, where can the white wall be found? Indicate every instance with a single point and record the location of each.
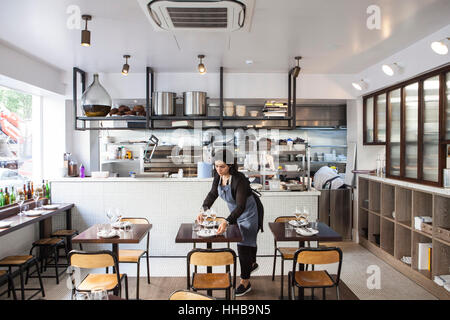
(21, 67)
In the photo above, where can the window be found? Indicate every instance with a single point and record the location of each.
(16, 158)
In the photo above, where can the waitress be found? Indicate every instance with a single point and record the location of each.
(246, 210)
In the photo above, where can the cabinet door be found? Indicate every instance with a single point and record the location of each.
(369, 121)
(447, 107)
(411, 129)
(431, 129)
(381, 118)
(395, 132)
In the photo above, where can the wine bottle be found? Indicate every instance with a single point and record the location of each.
(13, 196)
(25, 191)
(47, 190)
(6, 196)
(29, 194)
(2, 198)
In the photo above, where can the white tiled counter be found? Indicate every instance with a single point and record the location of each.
(166, 203)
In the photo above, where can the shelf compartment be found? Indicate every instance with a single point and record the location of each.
(374, 196)
(387, 236)
(363, 193)
(374, 229)
(441, 217)
(402, 242)
(387, 200)
(403, 206)
(440, 264)
(363, 222)
(422, 204)
(416, 239)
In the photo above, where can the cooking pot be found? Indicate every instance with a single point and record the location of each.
(194, 103)
(164, 103)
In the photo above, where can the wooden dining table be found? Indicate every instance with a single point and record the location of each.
(134, 235)
(283, 232)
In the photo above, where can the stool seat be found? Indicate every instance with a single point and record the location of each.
(48, 242)
(15, 260)
(64, 233)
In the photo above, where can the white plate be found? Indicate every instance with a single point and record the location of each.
(121, 224)
(50, 206)
(296, 223)
(5, 224)
(210, 223)
(206, 233)
(306, 231)
(111, 234)
(34, 213)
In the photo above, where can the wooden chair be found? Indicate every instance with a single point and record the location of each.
(94, 260)
(212, 281)
(50, 248)
(135, 255)
(286, 253)
(315, 279)
(189, 295)
(5, 277)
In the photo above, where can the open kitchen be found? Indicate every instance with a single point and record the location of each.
(302, 145)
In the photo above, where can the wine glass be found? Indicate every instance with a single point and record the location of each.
(204, 215)
(110, 214)
(305, 213)
(20, 201)
(297, 213)
(36, 196)
(213, 217)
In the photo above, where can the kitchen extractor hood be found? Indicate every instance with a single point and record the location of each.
(199, 15)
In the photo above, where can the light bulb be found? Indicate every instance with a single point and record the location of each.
(440, 47)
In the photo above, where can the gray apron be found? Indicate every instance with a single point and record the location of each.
(248, 220)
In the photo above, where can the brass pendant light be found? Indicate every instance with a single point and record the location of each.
(297, 68)
(126, 66)
(86, 34)
(201, 67)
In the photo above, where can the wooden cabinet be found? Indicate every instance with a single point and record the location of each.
(386, 212)
(375, 119)
(414, 126)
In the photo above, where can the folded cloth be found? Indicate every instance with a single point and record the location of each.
(306, 231)
(447, 286)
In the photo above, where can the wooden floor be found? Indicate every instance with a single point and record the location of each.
(263, 288)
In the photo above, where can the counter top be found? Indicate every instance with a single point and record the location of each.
(406, 184)
(129, 179)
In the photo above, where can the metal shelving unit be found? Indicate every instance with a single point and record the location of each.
(148, 122)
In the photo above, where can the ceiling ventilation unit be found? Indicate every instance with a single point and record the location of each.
(207, 15)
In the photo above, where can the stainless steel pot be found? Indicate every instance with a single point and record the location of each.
(194, 103)
(164, 103)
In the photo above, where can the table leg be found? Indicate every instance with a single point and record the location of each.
(115, 250)
(301, 267)
(209, 269)
(69, 227)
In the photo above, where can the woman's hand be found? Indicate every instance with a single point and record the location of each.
(222, 227)
(200, 218)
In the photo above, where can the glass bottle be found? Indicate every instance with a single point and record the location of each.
(25, 191)
(6, 196)
(13, 196)
(96, 101)
(2, 198)
(47, 191)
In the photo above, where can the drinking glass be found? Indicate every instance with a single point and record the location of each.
(204, 215)
(20, 201)
(36, 196)
(99, 294)
(297, 213)
(81, 296)
(305, 213)
(213, 217)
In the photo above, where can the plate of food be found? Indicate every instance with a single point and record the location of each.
(304, 231)
(210, 224)
(121, 224)
(206, 233)
(108, 234)
(298, 223)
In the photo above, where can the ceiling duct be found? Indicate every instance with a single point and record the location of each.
(206, 15)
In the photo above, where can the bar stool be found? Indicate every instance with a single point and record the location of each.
(50, 245)
(22, 262)
(5, 277)
(67, 235)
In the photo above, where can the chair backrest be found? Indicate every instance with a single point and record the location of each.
(284, 218)
(189, 295)
(212, 257)
(92, 260)
(135, 220)
(320, 255)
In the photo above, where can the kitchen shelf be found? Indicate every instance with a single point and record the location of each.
(398, 238)
(114, 118)
(119, 161)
